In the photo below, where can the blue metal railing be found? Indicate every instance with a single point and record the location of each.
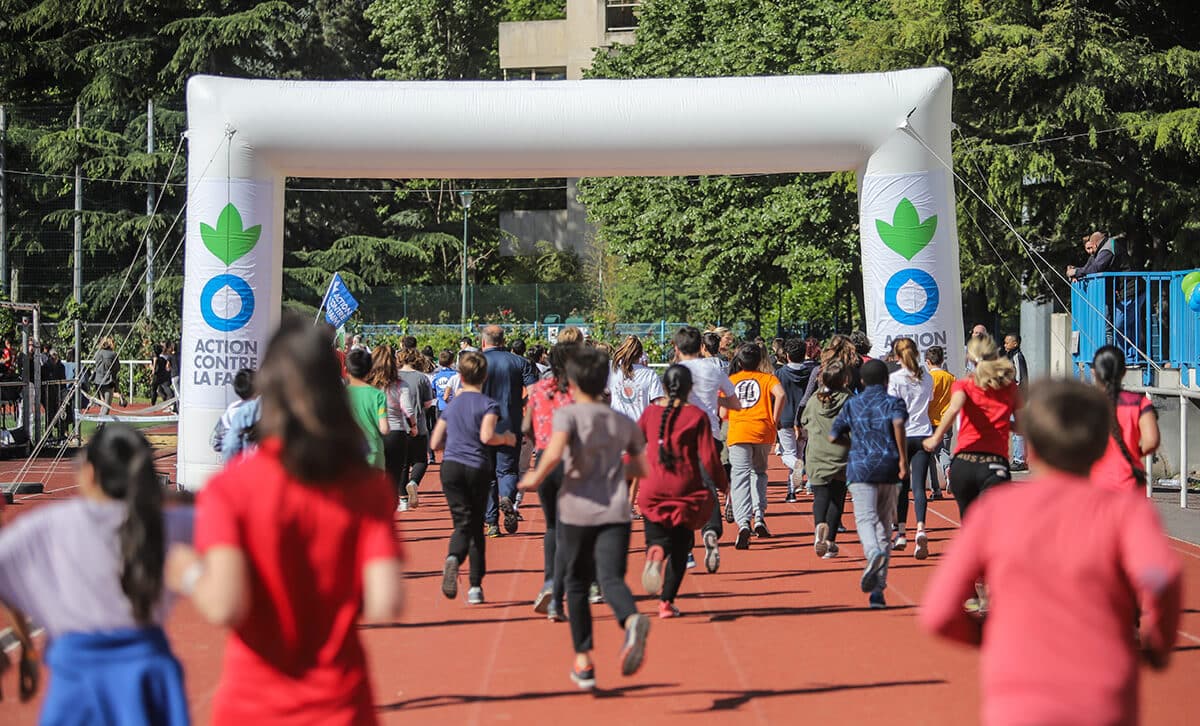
(1142, 313)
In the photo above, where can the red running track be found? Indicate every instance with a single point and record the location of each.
(777, 636)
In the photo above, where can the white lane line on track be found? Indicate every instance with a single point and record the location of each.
(730, 654)
(494, 656)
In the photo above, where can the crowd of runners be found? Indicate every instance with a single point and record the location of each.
(1069, 572)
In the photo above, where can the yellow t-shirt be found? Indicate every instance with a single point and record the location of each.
(942, 381)
(755, 422)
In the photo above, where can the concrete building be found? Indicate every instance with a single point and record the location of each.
(550, 50)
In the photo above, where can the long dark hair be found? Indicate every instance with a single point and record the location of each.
(747, 358)
(559, 355)
(123, 463)
(1108, 368)
(677, 382)
(834, 377)
(304, 404)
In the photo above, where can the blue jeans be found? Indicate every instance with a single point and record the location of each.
(507, 460)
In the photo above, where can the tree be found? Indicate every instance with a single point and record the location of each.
(1073, 116)
(740, 244)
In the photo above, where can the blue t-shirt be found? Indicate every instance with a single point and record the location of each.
(868, 418)
(463, 416)
(507, 374)
(441, 379)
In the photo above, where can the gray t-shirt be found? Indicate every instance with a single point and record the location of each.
(419, 383)
(594, 490)
(708, 381)
(61, 565)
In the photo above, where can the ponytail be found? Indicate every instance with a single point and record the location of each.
(677, 382)
(124, 468)
(1108, 369)
(906, 351)
(992, 371)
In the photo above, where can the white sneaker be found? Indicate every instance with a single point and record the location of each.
(402, 506)
(475, 596)
(412, 494)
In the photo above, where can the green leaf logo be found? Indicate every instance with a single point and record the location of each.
(907, 234)
(229, 242)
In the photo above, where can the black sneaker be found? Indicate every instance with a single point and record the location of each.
(760, 530)
(585, 678)
(876, 601)
(729, 510)
(633, 651)
(870, 575)
(492, 530)
(554, 613)
(743, 539)
(510, 515)
(791, 497)
(450, 577)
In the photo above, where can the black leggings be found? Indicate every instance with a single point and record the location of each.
(971, 474)
(677, 543)
(395, 454)
(829, 501)
(595, 554)
(417, 459)
(466, 491)
(551, 561)
(918, 473)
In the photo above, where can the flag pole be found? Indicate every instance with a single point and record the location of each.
(324, 299)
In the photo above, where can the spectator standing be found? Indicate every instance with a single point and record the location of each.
(1101, 253)
(1012, 349)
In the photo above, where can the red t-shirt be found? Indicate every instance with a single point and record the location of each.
(985, 421)
(544, 400)
(1064, 589)
(297, 658)
(679, 498)
(1114, 471)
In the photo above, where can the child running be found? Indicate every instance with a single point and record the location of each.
(466, 427)
(1086, 570)
(545, 397)
(1134, 426)
(674, 499)
(752, 430)
(368, 405)
(297, 542)
(985, 403)
(590, 439)
(912, 384)
(825, 460)
(943, 381)
(90, 571)
(878, 462)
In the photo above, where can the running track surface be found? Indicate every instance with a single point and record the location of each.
(777, 636)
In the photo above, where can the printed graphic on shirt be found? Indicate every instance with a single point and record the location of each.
(626, 392)
(748, 392)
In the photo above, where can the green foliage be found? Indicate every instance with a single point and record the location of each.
(519, 10)
(437, 39)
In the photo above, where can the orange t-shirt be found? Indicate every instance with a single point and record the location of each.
(755, 423)
(942, 381)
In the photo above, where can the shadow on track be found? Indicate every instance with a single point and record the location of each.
(464, 698)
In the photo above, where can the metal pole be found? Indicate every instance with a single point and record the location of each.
(77, 282)
(463, 284)
(3, 207)
(25, 376)
(1183, 452)
(149, 219)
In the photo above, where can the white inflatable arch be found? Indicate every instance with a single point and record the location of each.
(247, 136)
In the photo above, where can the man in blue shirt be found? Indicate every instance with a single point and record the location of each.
(877, 463)
(508, 375)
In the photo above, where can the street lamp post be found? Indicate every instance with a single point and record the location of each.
(465, 195)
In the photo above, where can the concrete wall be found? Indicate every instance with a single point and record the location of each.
(533, 44)
(1035, 337)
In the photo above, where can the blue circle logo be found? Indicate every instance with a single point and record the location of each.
(244, 293)
(891, 295)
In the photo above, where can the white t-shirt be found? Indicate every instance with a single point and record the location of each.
(916, 396)
(708, 382)
(631, 396)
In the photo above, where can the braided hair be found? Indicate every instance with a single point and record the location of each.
(678, 383)
(1108, 369)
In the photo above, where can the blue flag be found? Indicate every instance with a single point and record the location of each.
(339, 303)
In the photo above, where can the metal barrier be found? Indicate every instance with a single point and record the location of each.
(1142, 313)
